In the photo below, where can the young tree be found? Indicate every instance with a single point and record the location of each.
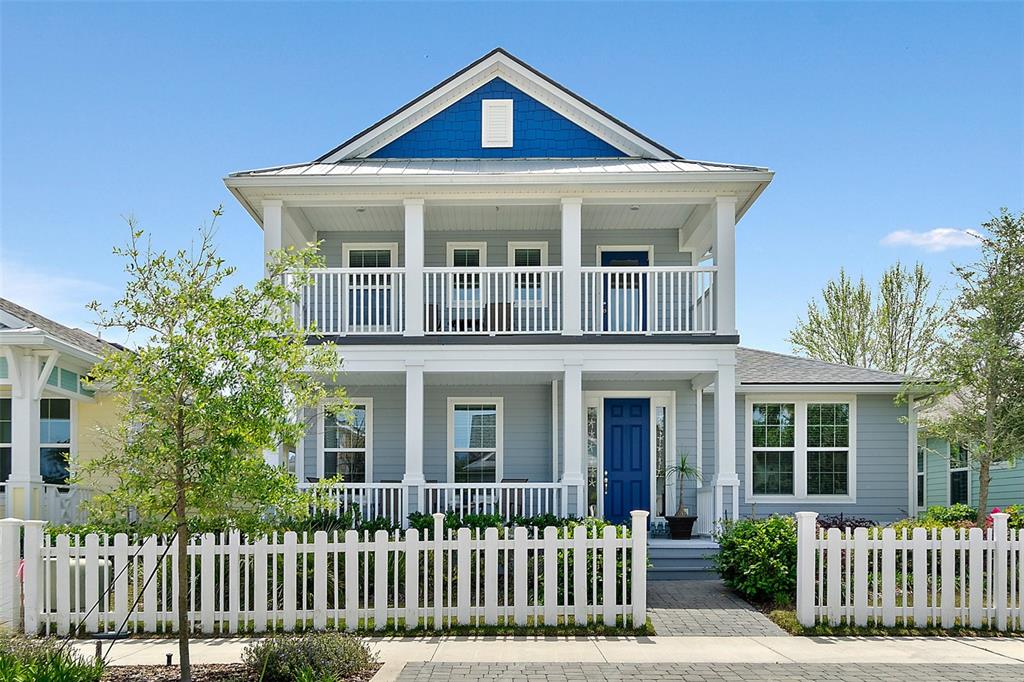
(841, 331)
(898, 333)
(981, 362)
(217, 380)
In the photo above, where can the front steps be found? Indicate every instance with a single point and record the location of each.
(681, 559)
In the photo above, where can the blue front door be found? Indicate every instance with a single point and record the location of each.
(625, 293)
(627, 457)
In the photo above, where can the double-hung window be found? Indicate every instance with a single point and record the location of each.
(474, 440)
(800, 449)
(959, 474)
(346, 444)
(370, 285)
(5, 439)
(529, 285)
(54, 439)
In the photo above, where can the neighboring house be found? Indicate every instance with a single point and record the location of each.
(535, 304)
(48, 417)
(948, 475)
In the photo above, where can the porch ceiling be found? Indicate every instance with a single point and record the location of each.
(511, 217)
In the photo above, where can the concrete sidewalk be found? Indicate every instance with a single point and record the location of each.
(397, 652)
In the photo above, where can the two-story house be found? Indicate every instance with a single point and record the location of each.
(535, 306)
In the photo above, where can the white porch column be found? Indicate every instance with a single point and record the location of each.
(725, 442)
(725, 259)
(414, 242)
(414, 432)
(572, 259)
(23, 486)
(272, 230)
(572, 420)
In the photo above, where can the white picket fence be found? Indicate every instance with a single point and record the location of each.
(435, 579)
(930, 577)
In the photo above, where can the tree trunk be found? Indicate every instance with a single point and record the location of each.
(181, 531)
(985, 461)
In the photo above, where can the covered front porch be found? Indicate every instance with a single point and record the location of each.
(586, 439)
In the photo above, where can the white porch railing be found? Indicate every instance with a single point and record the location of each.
(365, 500)
(705, 512)
(493, 300)
(508, 499)
(353, 301)
(60, 504)
(648, 300)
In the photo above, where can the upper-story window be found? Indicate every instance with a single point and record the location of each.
(496, 124)
(369, 255)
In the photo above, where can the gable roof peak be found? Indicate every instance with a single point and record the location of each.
(499, 63)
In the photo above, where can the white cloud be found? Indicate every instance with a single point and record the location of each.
(61, 297)
(939, 239)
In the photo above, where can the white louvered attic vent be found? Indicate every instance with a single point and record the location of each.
(497, 123)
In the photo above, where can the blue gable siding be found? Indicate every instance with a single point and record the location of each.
(538, 131)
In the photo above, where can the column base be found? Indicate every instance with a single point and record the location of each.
(24, 499)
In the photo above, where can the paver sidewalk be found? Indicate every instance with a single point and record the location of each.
(704, 607)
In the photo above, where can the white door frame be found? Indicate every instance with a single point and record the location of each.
(666, 399)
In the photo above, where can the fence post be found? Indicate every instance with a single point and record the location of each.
(33, 574)
(1002, 546)
(10, 585)
(806, 526)
(638, 562)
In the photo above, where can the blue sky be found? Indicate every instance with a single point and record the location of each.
(877, 118)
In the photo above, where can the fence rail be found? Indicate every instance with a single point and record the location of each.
(648, 300)
(929, 577)
(435, 579)
(511, 300)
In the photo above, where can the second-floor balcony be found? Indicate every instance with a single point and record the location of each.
(511, 300)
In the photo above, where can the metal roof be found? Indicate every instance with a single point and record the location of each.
(452, 167)
(765, 367)
(69, 335)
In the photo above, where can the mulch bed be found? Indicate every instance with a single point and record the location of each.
(230, 672)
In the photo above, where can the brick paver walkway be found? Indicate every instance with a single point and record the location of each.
(710, 672)
(704, 607)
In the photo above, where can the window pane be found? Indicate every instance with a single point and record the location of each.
(920, 459)
(53, 465)
(660, 459)
(55, 420)
(828, 425)
(920, 490)
(5, 464)
(369, 258)
(466, 258)
(5, 420)
(475, 467)
(959, 455)
(592, 481)
(476, 426)
(773, 473)
(345, 429)
(527, 258)
(773, 425)
(351, 466)
(827, 473)
(959, 483)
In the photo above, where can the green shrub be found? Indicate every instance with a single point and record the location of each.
(45, 660)
(757, 558)
(1016, 512)
(951, 515)
(312, 656)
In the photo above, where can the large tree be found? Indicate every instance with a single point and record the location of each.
(896, 330)
(217, 379)
(980, 363)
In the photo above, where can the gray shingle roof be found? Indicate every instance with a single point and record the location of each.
(70, 335)
(764, 367)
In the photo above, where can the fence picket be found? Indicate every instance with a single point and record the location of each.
(550, 577)
(889, 577)
(120, 579)
(320, 580)
(290, 568)
(860, 576)
(609, 554)
(351, 580)
(520, 596)
(491, 576)
(380, 580)
(833, 578)
(412, 579)
(919, 561)
(947, 573)
(976, 576)
(259, 585)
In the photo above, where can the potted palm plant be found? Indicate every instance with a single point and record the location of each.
(680, 526)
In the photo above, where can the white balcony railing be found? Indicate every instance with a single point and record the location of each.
(507, 499)
(648, 300)
(493, 300)
(345, 301)
(364, 501)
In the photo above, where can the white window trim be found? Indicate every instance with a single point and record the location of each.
(320, 450)
(800, 403)
(450, 247)
(486, 106)
(499, 434)
(666, 399)
(512, 246)
(649, 248)
(950, 470)
(348, 247)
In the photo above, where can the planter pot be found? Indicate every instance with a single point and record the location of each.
(681, 527)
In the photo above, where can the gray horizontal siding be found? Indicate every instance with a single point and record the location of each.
(1006, 487)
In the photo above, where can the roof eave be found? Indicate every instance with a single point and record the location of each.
(36, 338)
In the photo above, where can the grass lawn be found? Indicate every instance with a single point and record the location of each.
(785, 618)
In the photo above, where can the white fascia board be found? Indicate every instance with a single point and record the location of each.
(887, 389)
(497, 65)
(39, 340)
